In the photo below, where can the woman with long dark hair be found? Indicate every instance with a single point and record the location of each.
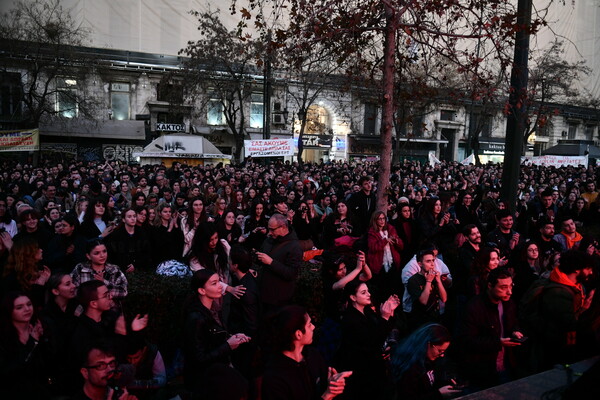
(339, 224)
(413, 364)
(96, 220)
(228, 229)
(364, 333)
(195, 217)
(67, 248)
(24, 351)
(485, 260)
(166, 236)
(255, 227)
(207, 343)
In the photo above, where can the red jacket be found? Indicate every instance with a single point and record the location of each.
(377, 244)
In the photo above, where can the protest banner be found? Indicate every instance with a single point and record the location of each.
(269, 147)
(556, 161)
(20, 140)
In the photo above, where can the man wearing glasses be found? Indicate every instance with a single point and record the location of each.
(280, 256)
(98, 369)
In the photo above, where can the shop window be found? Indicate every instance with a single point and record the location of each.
(10, 95)
(256, 110)
(119, 101)
(215, 113)
(66, 97)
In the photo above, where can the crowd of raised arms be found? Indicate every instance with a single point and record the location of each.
(449, 290)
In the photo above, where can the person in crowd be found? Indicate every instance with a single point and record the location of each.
(545, 239)
(228, 229)
(166, 236)
(568, 237)
(489, 331)
(415, 365)
(426, 291)
(195, 217)
(129, 245)
(296, 371)
(206, 342)
(486, 260)
(255, 226)
(338, 227)
(29, 221)
(218, 209)
(96, 222)
(504, 236)
(280, 258)
(363, 203)
(97, 268)
(364, 334)
(150, 371)
(383, 255)
(138, 199)
(60, 319)
(306, 228)
(527, 267)
(67, 248)
(436, 226)
(24, 271)
(48, 194)
(98, 368)
(322, 206)
(25, 354)
(560, 302)
(7, 224)
(406, 228)
(413, 267)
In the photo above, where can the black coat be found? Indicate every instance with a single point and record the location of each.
(205, 344)
(277, 281)
(125, 249)
(481, 337)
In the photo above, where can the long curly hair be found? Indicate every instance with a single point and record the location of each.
(22, 262)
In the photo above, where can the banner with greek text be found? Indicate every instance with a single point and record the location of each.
(556, 161)
(21, 140)
(269, 147)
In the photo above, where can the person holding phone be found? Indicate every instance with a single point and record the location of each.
(489, 332)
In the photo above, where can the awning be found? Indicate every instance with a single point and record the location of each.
(573, 149)
(181, 146)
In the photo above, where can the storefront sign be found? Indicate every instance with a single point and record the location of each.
(316, 141)
(22, 140)
(162, 126)
(556, 161)
(269, 148)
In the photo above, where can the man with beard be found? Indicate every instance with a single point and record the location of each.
(562, 299)
(489, 332)
(545, 241)
(568, 237)
(504, 236)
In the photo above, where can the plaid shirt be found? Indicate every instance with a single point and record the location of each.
(114, 279)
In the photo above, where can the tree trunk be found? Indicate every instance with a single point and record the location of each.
(387, 120)
(300, 136)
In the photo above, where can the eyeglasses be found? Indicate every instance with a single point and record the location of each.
(102, 366)
(274, 229)
(440, 351)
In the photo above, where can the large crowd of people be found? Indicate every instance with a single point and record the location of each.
(447, 291)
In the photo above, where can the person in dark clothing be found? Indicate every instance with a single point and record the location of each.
(545, 239)
(504, 237)
(96, 220)
(206, 342)
(414, 367)
(426, 291)
(166, 237)
(466, 256)
(281, 257)
(406, 228)
(29, 221)
(364, 333)
(363, 203)
(67, 249)
(296, 371)
(489, 332)
(129, 246)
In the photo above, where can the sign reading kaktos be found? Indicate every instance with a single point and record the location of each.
(163, 126)
(269, 148)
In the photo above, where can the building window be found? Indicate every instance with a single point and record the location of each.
(256, 110)
(215, 113)
(481, 124)
(589, 132)
(66, 97)
(170, 93)
(370, 119)
(447, 115)
(572, 131)
(10, 95)
(119, 101)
